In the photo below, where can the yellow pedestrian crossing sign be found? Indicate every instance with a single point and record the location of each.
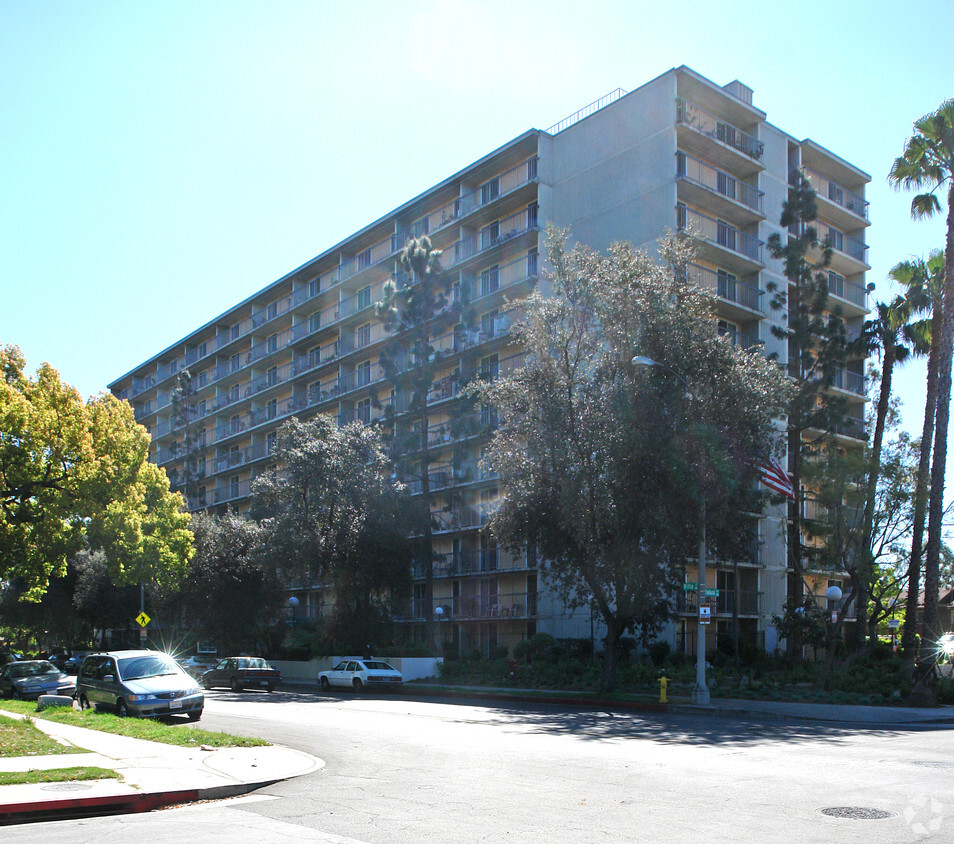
(143, 619)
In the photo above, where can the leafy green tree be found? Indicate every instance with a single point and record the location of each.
(232, 591)
(817, 352)
(415, 312)
(331, 514)
(609, 467)
(75, 475)
(928, 162)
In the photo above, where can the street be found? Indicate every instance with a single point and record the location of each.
(407, 770)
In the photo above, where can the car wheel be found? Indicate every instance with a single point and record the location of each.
(15, 694)
(121, 709)
(235, 685)
(323, 682)
(206, 684)
(195, 715)
(269, 687)
(357, 684)
(84, 702)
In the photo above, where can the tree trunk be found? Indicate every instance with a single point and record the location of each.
(613, 632)
(908, 632)
(931, 629)
(866, 562)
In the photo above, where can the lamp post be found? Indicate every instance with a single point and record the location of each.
(439, 612)
(700, 692)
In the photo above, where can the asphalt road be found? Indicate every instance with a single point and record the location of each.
(412, 770)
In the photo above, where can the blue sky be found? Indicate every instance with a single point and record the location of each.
(160, 161)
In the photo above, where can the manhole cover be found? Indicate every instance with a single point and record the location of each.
(857, 813)
(934, 764)
(67, 786)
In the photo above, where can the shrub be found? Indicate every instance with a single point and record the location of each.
(658, 651)
(499, 652)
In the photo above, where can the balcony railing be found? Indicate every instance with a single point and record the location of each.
(502, 606)
(473, 561)
(834, 192)
(701, 121)
(727, 286)
(841, 287)
(749, 602)
(497, 233)
(838, 240)
(718, 232)
(852, 382)
(699, 173)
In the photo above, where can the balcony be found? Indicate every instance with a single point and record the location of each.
(494, 235)
(716, 139)
(847, 290)
(705, 184)
(749, 602)
(740, 340)
(728, 288)
(832, 192)
(849, 254)
(729, 241)
(488, 607)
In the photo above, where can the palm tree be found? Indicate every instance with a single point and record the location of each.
(896, 338)
(923, 282)
(928, 162)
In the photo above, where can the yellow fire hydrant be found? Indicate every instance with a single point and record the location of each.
(663, 683)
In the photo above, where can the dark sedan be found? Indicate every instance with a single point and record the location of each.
(242, 672)
(31, 678)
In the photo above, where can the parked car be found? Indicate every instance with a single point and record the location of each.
(148, 684)
(242, 672)
(9, 656)
(72, 663)
(29, 679)
(197, 665)
(358, 674)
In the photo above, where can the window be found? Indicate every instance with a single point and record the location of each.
(363, 411)
(270, 440)
(489, 281)
(271, 409)
(836, 239)
(362, 335)
(682, 217)
(835, 193)
(725, 184)
(725, 234)
(364, 259)
(235, 330)
(235, 424)
(533, 214)
(314, 355)
(532, 169)
(235, 363)
(234, 486)
(680, 164)
(836, 284)
(362, 298)
(362, 374)
(532, 262)
(314, 287)
(489, 235)
(234, 456)
(489, 191)
(314, 322)
(272, 310)
(233, 393)
(271, 377)
(272, 345)
(726, 285)
(489, 367)
(488, 323)
(730, 330)
(725, 132)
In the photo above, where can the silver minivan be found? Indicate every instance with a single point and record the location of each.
(148, 684)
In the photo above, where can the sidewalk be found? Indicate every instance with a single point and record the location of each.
(153, 774)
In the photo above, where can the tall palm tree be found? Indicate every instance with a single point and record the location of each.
(893, 335)
(923, 282)
(928, 162)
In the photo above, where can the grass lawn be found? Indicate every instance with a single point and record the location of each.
(171, 731)
(22, 738)
(56, 775)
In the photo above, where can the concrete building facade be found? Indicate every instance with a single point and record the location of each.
(679, 153)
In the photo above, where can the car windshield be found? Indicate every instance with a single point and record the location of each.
(33, 669)
(378, 666)
(153, 665)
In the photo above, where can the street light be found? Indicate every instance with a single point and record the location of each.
(439, 612)
(700, 692)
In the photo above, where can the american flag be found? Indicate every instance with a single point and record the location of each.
(776, 478)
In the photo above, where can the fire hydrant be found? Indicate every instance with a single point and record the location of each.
(663, 682)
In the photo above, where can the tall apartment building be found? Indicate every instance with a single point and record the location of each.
(678, 153)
